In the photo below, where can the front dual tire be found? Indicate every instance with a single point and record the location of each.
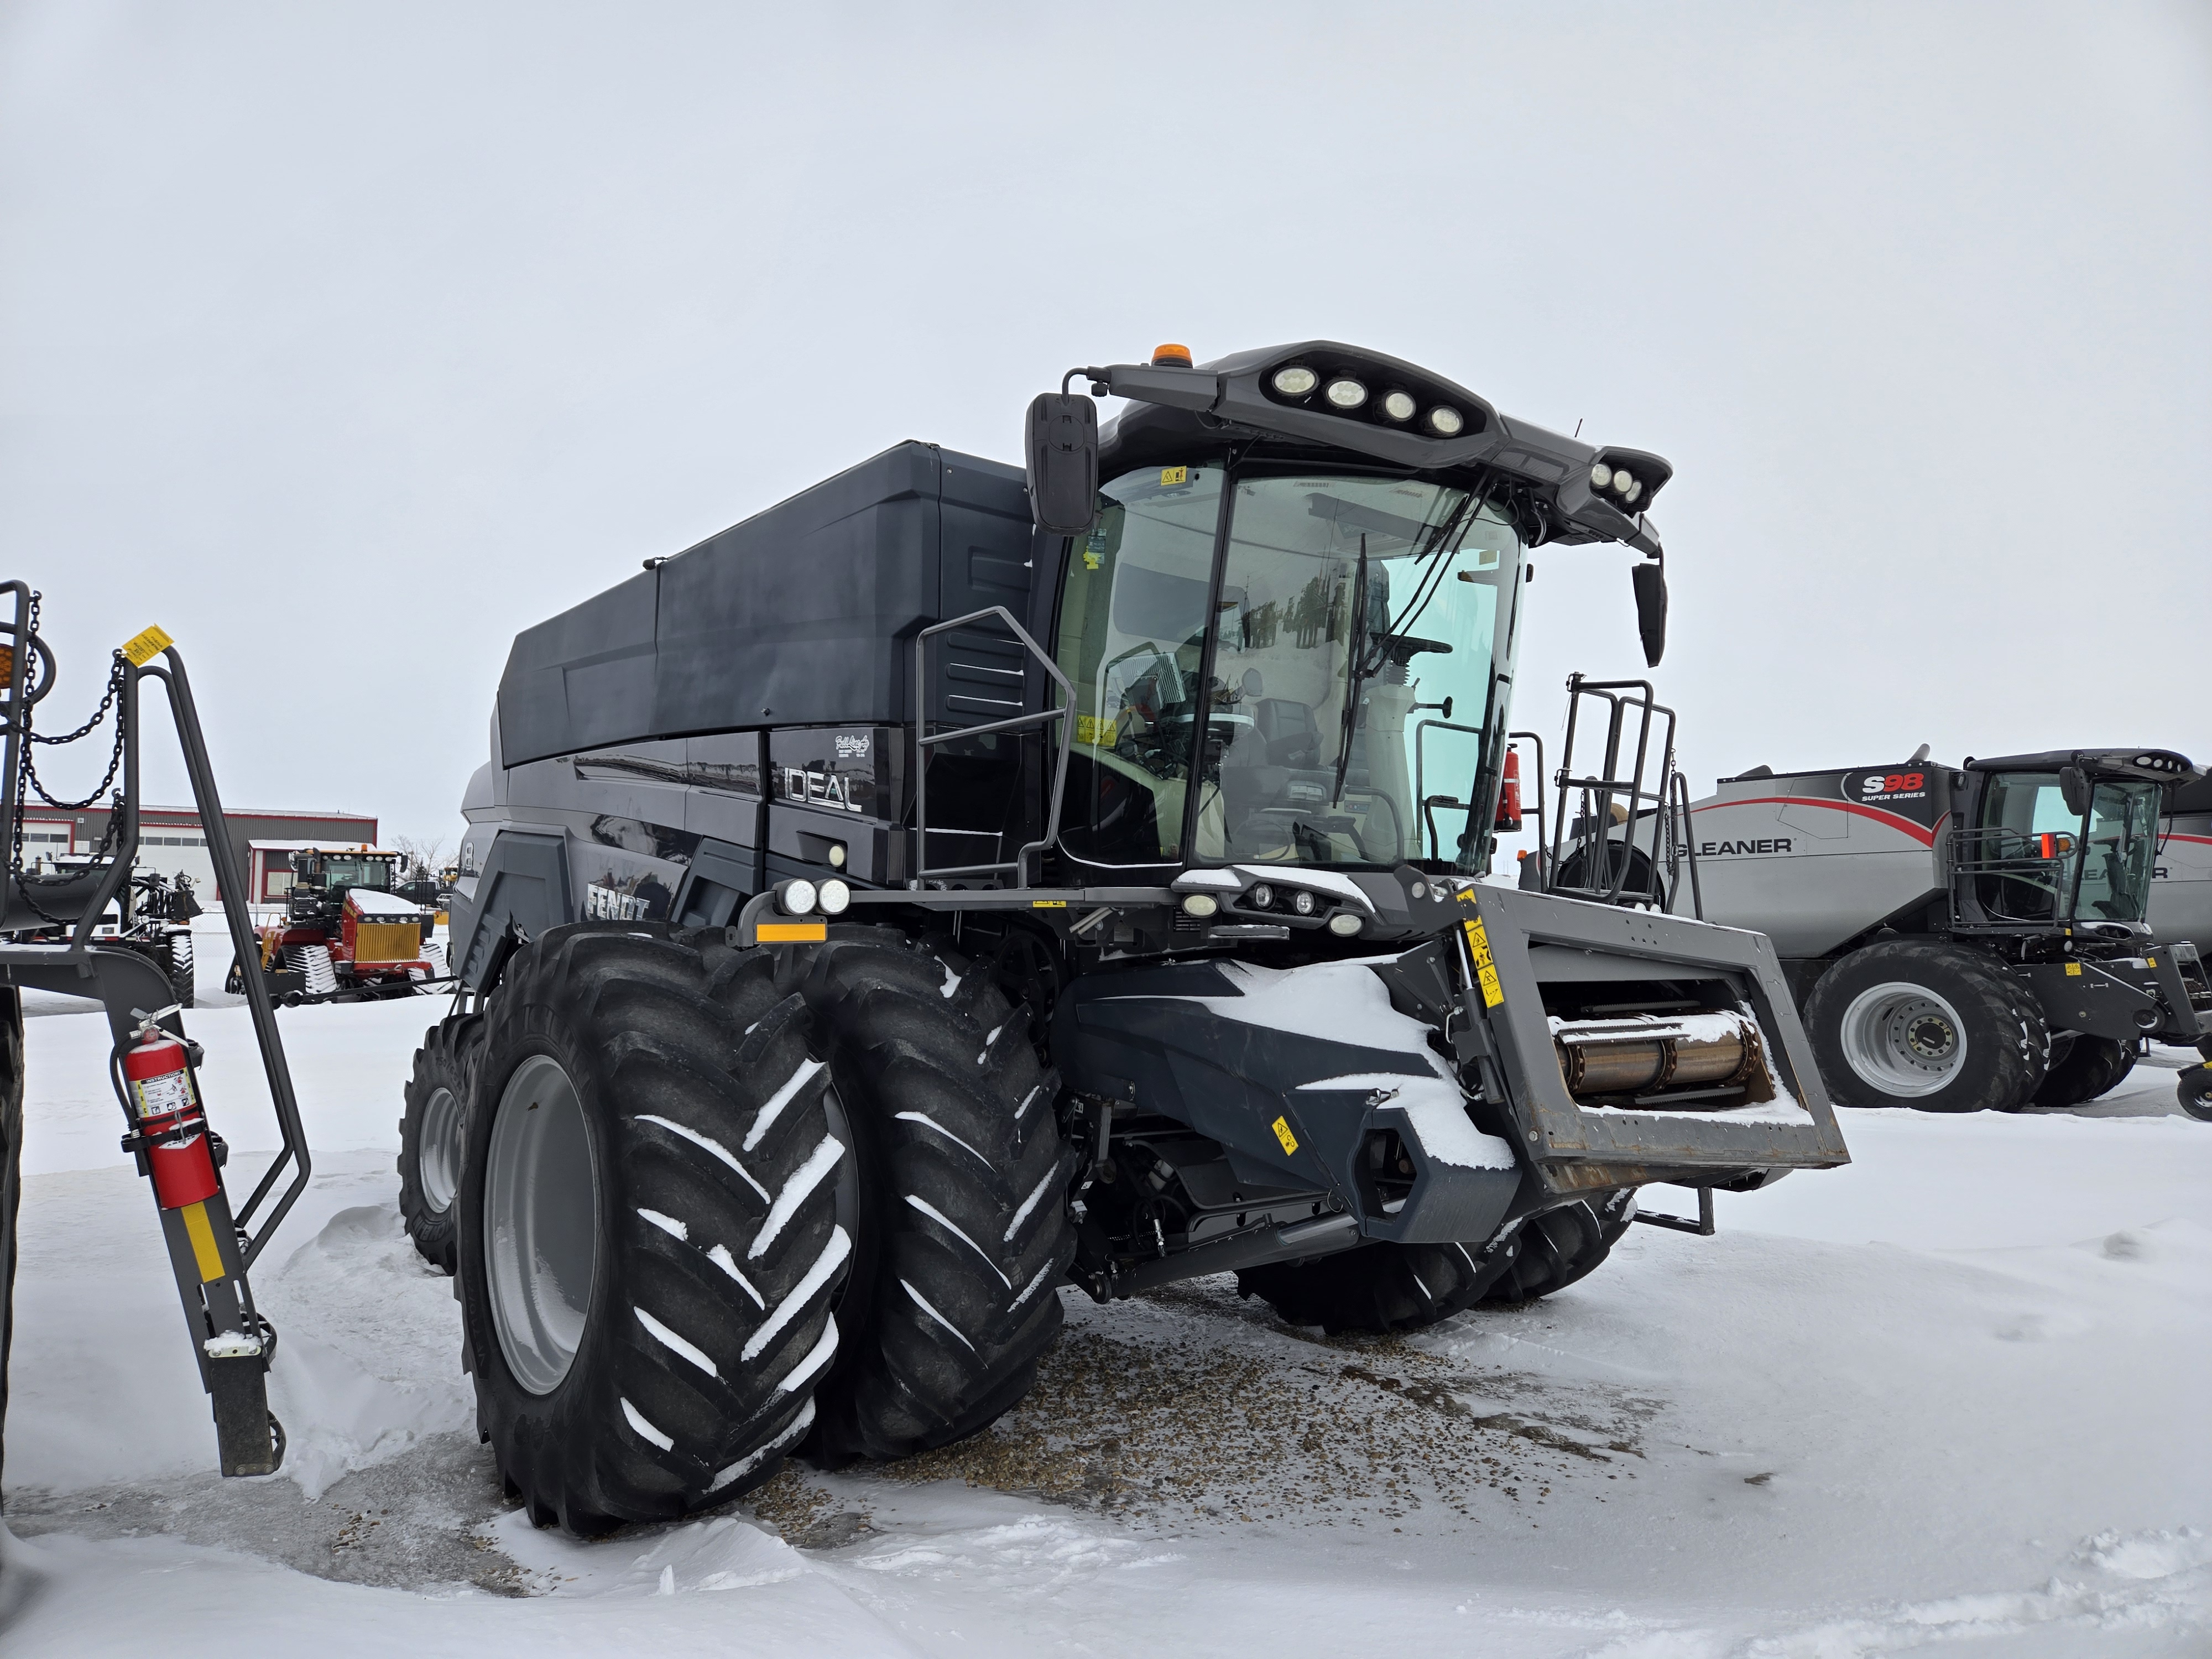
(647, 1229)
(715, 1205)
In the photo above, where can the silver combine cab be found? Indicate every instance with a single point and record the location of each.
(2181, 874)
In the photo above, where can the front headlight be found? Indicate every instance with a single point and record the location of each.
(1445, 421)
(833, 897)
(1345, 392)
(795, 898)
(1295, 381)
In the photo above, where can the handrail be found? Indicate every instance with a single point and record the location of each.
(1543, 854)
(922, 739)
(1420, 785)
(231, 885)
(1598, 791)
(19, 682)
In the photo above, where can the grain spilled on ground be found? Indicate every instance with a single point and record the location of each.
(1190, 1406)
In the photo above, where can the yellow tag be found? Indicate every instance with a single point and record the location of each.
(1048, 904)
(1485, 970)
(1090, 729)
(1093, 561)
(792, 932)
(204, 1252)
(143, 648)
(1174, 474)
(1282, 1128)
(2151, 962)
(2073, 968)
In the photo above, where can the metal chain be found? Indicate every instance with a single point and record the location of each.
(30, 783)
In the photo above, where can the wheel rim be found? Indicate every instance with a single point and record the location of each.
(1904, 1039)
(540, 1221)
(438, 1148)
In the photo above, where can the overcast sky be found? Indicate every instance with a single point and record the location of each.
(345, 341)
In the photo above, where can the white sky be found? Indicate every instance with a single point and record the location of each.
(345, 341)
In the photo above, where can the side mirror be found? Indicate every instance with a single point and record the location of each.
(1061, 452)
(2074, 789)
(1651, 581)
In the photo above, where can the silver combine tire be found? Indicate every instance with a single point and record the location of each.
(1936, 1027)
(2193, 1089)
(1903, 1039)
(2082, 1067)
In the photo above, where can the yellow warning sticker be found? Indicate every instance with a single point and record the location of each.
(1174, 474)
(143, 648)
(196, 1229)
(1281, 1126)
(2150, 961)
(2073, 968)
(1088, 728)
(1485, 970)
(1048, 904)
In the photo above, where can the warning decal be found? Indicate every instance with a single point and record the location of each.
(143, 648)
(1485, 970)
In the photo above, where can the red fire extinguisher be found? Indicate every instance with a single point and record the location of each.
(172, 1127)
(1509, 796)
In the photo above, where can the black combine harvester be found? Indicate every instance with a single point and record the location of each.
(950, 885)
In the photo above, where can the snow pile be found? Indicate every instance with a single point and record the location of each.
(1437, 1111)
(1342, 1000)
(373, 902)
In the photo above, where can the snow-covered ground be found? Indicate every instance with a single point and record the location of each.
(1947, 1398)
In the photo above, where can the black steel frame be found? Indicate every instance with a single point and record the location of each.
(133, 990)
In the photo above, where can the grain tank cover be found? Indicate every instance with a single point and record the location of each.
(797, 616)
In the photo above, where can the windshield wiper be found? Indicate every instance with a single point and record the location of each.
(1355, 672)
(1360, 669)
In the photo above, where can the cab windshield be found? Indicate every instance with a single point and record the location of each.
(2111, 879)
(1339, 636)
(356, 872)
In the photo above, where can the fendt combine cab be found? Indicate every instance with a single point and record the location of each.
(1997, 934)
(950, 885)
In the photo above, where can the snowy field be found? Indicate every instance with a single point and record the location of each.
(1947, 1398)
